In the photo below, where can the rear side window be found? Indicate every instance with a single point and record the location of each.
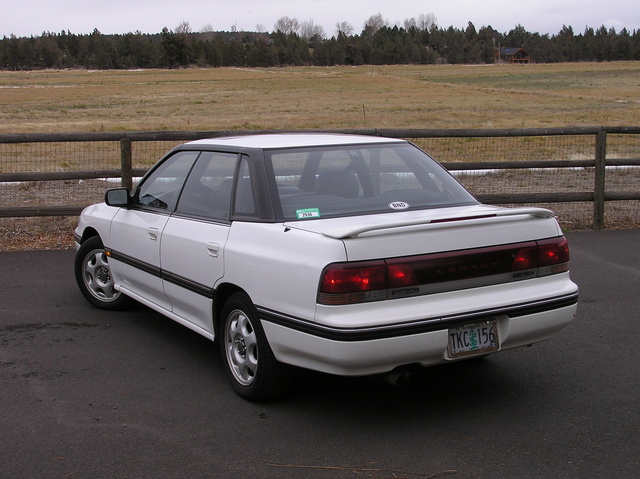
(243, 200)
(362, 179)
(207, 192)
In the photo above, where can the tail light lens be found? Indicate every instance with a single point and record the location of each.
(354, 277)
(365, 281)
(553, 256)
(553, 251)
(401, 274)
(349, 283)
(526, 258)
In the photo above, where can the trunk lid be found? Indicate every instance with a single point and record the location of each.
(428, 231)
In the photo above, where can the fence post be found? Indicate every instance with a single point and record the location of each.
(126, 162)
(599, 187)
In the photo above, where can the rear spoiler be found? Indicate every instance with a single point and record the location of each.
(344, 232)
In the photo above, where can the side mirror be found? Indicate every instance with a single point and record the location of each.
(118, 197)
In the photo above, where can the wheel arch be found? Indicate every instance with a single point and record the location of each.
(221, 295)
(89, 232)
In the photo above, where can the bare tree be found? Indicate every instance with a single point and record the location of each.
(410, 23)
(344, 28)
(184, 28)
(287, 25)
(375, 23)
(261, 28)
(423, 22)
(311, 30)
(427, 22)
(207, 28)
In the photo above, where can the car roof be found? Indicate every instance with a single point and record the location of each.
(292, 140)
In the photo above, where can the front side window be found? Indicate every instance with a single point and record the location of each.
(361, 179)
(161, 189)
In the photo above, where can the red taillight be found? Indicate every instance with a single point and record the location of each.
(355, 277)
(553, 256)
(553, 251)
(526, 258)
(550, 252)
(401, 275)
(358, 282)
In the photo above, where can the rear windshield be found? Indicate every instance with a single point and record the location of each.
(361, 179)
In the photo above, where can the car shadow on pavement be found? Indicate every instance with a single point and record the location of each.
(480, 384)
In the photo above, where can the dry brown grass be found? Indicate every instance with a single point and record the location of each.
(433, 96)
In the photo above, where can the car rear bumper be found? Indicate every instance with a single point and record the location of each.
(365, 351)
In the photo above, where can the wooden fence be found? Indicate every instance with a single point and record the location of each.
(598, 194)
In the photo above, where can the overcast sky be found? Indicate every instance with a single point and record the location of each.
(33, 17)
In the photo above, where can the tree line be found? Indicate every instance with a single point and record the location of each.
(294, 43)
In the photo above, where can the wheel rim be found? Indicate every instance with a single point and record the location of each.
(97, 276)
(241, 347)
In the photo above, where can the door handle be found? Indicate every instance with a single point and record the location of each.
(213, 249)
(153, 234)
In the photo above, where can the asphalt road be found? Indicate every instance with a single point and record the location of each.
(91, 394)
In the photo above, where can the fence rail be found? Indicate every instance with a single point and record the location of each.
(126, 172)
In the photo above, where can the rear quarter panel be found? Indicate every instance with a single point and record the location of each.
(279, 267)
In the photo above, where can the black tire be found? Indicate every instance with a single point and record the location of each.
(251, 367)
(94, 278)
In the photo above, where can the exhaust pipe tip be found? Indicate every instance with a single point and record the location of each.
(399, 378)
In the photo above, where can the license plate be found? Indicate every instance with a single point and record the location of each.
(473, 338)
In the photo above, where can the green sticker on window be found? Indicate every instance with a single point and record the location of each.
(308, 213)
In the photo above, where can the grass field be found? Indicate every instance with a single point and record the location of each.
(433, 97)
(430, 96)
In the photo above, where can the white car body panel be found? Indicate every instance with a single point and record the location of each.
(428, 237)
(293, 261)
(292, 140)
(140, 234)
(442, 305)
(282, 269)
(200, 260)
(359, 358)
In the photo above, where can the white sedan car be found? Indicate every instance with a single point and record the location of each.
(345, 254)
